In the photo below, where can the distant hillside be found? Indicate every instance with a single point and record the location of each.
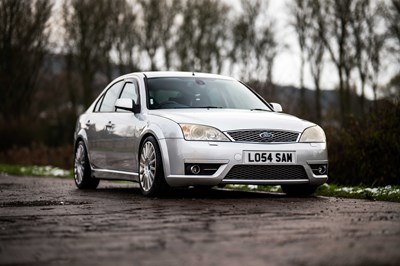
(289, 97)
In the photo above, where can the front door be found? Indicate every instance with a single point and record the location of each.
(124, 137)
(100, 127)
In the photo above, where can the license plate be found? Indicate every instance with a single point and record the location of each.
(269, 157)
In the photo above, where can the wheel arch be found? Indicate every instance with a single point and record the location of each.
(78, 139)
(82, 136)
(84, 177)
(162, 147)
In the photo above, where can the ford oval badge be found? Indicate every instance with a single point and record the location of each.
(266, 135)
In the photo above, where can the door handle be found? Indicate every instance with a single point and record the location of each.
(88, 123)
(110, 125)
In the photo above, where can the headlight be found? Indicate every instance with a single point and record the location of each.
(313, 134)
(199, 132)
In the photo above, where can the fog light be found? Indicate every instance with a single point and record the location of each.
(195, 169)
(322, 169)
(319, 169)
(201, 168)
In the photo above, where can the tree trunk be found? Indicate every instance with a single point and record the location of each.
(341, 96)
(317, 101)
(302, 89)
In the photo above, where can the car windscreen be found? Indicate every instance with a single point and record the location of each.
(194, 92)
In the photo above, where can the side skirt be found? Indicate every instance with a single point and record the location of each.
(115, 175)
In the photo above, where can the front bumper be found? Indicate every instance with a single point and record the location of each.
(178, 152)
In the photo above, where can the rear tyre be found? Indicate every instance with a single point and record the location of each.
(303, 190)
(151, 173)
(82, 172)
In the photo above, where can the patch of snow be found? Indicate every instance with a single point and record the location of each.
(275, 188)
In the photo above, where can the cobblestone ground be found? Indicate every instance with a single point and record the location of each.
(48, 221)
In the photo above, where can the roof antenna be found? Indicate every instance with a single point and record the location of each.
(193, 73)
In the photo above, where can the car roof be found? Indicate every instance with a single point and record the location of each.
(157, 74)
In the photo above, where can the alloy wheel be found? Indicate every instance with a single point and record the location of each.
(147, 166)
(79, 166)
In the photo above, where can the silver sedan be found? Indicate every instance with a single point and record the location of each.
(179, 129)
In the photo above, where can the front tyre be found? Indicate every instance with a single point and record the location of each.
(82, 172)
(151, 172)
(303, 190)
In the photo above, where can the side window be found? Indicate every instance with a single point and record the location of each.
(108, 104)
(130, 91)
(97, 106)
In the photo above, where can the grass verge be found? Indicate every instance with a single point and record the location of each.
(387, 193)
(34, 170)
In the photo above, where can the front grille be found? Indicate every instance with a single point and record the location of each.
(266, 172)
(269, 136)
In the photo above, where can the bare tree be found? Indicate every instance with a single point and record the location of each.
(376, 42)
(168, 34)
(307, 23)
(334, 31)
(23, 45)
(127, 40)
(369, 42)
(299, 12)
(118, 12)
(89, 38)
(315, 52)
(245, 37)
(359, 30)
(202, 35)
(392, 16)
(266, 50)
(157, 20)
(254, 44)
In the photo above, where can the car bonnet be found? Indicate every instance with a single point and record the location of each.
(234, 119)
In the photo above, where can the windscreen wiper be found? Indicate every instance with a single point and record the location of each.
(208, 107)
(260, 109)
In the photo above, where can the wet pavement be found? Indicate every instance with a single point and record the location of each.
(47, 221)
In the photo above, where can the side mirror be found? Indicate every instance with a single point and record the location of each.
(277, 107)
(127, 105)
